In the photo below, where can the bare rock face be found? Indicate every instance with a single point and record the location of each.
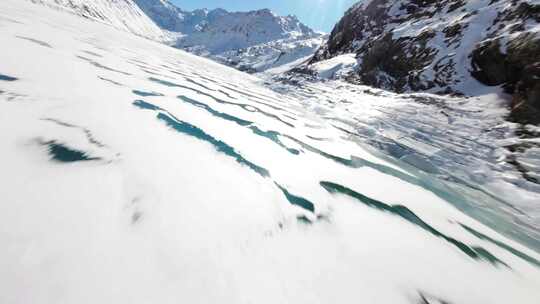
(513, 61)
(501, 59)
(442, 46)
(526, 101)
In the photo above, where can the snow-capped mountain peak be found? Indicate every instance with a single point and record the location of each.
(256, 26)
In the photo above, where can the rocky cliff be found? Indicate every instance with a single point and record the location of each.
(443, 46)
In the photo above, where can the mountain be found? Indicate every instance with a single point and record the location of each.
(448, 46)
(122, 14)
(252, 41)
(218, 30)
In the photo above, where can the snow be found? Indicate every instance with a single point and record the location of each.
(283, 68)
(190, 178)
(122, 14)
(273, 57)
(336, 66)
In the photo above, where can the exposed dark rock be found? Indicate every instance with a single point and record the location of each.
(402, 59)
(489, 63)
(517, 69)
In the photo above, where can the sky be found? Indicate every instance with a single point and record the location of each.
(320, 15)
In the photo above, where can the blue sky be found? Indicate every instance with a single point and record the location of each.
(318, 14)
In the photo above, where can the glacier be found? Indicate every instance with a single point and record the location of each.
(133, 172)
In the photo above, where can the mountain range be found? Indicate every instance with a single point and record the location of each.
(253, 41)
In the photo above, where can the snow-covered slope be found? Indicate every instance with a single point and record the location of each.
(133, 172)
(122, 14)
(251, 41)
